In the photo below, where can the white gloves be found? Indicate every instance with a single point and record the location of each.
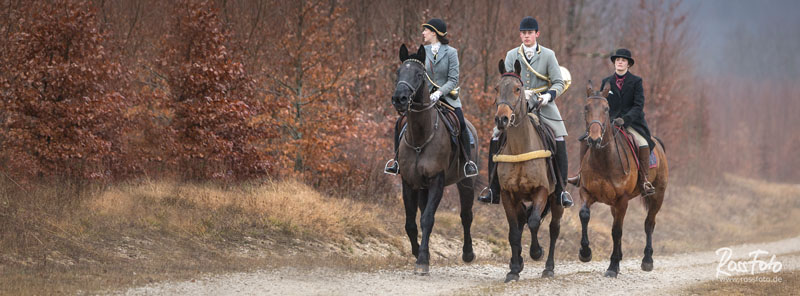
(435, 96)
(544, 99)
(528, 94)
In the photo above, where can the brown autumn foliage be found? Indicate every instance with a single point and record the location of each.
(242, 89)
(64, 94)
(215, 124)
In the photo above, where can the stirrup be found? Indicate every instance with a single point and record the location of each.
(470, 163)
(565, 196)
(648, 188)
(489, 196)
(575, 180)
(387, 169)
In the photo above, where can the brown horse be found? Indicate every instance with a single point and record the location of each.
(526, 188)
(609, 175)
(427, 159)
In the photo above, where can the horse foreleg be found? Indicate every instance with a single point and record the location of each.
(585, 253)
(515, 215)
(434, 196)
(467, 196)
(534, 221)
(410, 205)
(555, 229)
(618, 212)
(653, 206)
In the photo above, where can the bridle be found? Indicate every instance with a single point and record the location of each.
(513, 122)
(424, 106)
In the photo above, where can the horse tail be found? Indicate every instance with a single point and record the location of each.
(662, 144)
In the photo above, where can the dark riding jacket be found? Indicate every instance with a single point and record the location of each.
(628, 103)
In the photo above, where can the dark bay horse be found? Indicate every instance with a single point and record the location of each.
(526, 187)
(609, 174)
(427, 160)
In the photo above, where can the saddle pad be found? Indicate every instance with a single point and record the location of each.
(653, 159)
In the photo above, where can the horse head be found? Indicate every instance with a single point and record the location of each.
(510, 97)
(595, 115)
(410, 79)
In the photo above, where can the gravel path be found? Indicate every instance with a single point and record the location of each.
(671, 274)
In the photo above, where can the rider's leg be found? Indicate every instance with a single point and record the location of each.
(392, 166)
(563, 166)
(470, 168)
(491, 194)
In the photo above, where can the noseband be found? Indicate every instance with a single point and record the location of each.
(414, 90)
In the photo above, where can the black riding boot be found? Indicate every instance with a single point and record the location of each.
(392, 167)
(491, 194)
(563, 166)
(470, 168)
(644, 167)
(576, 180)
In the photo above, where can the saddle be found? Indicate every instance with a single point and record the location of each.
(450, 120)
(632, 146)
(548, 138)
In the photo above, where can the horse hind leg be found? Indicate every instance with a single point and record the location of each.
(466, 194)
(653, 204)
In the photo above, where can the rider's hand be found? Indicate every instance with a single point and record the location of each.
(435, 96)
(619, 121)
(544, 99)
(528, 94)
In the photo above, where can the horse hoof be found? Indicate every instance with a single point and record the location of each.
(647, 266)
(548, 273)
(468, 257)
(611, 274)
(537, 254)
(511, 277)
(421, 269)
(585, 257)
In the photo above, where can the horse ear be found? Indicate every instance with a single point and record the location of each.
(605, 91)
(403, 53)
(502, 66)
(589, 89)
(421, 52)
(517, 67)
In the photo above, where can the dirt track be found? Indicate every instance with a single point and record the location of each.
(670, 276)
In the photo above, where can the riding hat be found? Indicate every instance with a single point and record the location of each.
(529, 24)
(436, 25)
(622, 53)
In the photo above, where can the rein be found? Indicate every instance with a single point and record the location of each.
(424, 107)
(617, 131)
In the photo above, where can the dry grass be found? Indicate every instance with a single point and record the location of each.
(91, 238)
(67, 238)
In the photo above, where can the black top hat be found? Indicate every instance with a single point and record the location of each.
(622, 53)
(529, 24)
(436, 25)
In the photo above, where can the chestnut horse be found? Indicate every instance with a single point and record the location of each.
(526, 188)
(427, 159)
(609, 174)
